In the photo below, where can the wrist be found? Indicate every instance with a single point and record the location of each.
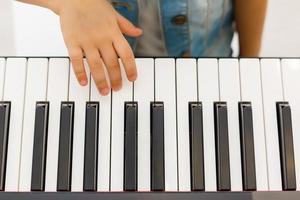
(53, 5)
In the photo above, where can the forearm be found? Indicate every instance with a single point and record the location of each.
(250, 17)
(50, 4)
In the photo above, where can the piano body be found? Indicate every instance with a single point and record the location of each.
(188, 128)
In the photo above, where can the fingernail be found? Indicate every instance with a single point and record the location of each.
(117, 88)
(105, 91)
(83, 82)
(140, 30)
(132, 77)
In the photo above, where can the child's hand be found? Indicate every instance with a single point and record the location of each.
(94, 29)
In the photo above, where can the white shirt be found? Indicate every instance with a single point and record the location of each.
(151, 43)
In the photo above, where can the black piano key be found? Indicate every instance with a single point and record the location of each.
(4, 129)
(222, 146)
(286, 144)
(130, 146)
(65, 146)
(196, 146)
(39, 146)
(91, 147)
(157, 147)
(247, 146)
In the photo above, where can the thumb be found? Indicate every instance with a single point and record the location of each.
(127, 27)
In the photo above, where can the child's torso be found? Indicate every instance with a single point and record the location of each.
(180, 27)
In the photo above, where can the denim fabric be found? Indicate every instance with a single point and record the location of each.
(129, 9)
(208, 30)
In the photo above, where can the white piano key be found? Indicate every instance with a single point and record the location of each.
(58, 85)
(144, 94)
(291, 86)
(208, 85)
(230, 92)
(272, 92)
(36, 87)
(14, 91)
(2, 76)
(165, 91)
(104, 137)
(144, 162)
(251, 91)
(117, 132)
(80, 95)
(186, 70)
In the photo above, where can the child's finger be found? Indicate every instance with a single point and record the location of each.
(111, 61)
(124, 51)
(127, 27)
(76, 57)
(97, 70)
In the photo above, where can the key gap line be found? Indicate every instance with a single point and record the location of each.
(90, 85)
(154, 72)
(264, 121)
(219, 86)
(47, 79)
(176, 108)
(240, 79)
(24, 103)
(282, 81)
(4, 75)
(69, 79)
(133, 91)
(197, 79)
(110, 135)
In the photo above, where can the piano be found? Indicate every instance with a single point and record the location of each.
(188, 128)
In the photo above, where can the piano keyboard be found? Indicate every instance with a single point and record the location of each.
(186, 125)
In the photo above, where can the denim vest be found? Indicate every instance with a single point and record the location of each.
(196, 28)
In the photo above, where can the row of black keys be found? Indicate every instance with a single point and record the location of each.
(157, 146)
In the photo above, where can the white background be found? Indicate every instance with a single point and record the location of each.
(32, 31)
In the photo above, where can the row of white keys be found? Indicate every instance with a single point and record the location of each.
(36, 87)
(144, 94)
(104, 137)
(80, 95)
(165, 91)
(291, 83)
(230, 93)
(262, 88)
(58, 86)
(208, 86)
(272, 93)
(117, 132)
(186, 71)
(2, 76)
(14, 91)
(251, 91)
